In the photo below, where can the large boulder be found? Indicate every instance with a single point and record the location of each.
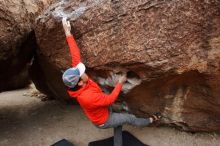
(17, 40)
(170, 48)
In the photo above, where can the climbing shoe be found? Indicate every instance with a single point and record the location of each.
(156, 117)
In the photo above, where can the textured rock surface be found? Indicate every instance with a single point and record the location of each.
(172, 46)
(16, 40)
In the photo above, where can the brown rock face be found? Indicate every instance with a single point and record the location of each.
(172, 47)
(17, 40)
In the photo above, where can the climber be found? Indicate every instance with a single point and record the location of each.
(93, 101)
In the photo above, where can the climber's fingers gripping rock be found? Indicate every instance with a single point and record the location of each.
(66, 26)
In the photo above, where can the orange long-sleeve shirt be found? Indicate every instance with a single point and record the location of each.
(74, 50)
(90, 97)
(94, 102)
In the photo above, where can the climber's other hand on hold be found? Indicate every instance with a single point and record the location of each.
(122, 78)
(66, 26)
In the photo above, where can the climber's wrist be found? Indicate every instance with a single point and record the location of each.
(68, 33)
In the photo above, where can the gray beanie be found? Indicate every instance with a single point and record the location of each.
(72, 75)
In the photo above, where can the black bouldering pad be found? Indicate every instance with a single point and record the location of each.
(128, 140)
(63, 142)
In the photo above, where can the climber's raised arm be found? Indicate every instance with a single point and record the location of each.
(74, 50)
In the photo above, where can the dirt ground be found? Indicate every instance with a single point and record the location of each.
(25, 120)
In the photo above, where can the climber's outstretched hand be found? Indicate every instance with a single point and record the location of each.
(66, 26)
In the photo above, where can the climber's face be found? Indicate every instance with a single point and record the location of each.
(83, 80)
